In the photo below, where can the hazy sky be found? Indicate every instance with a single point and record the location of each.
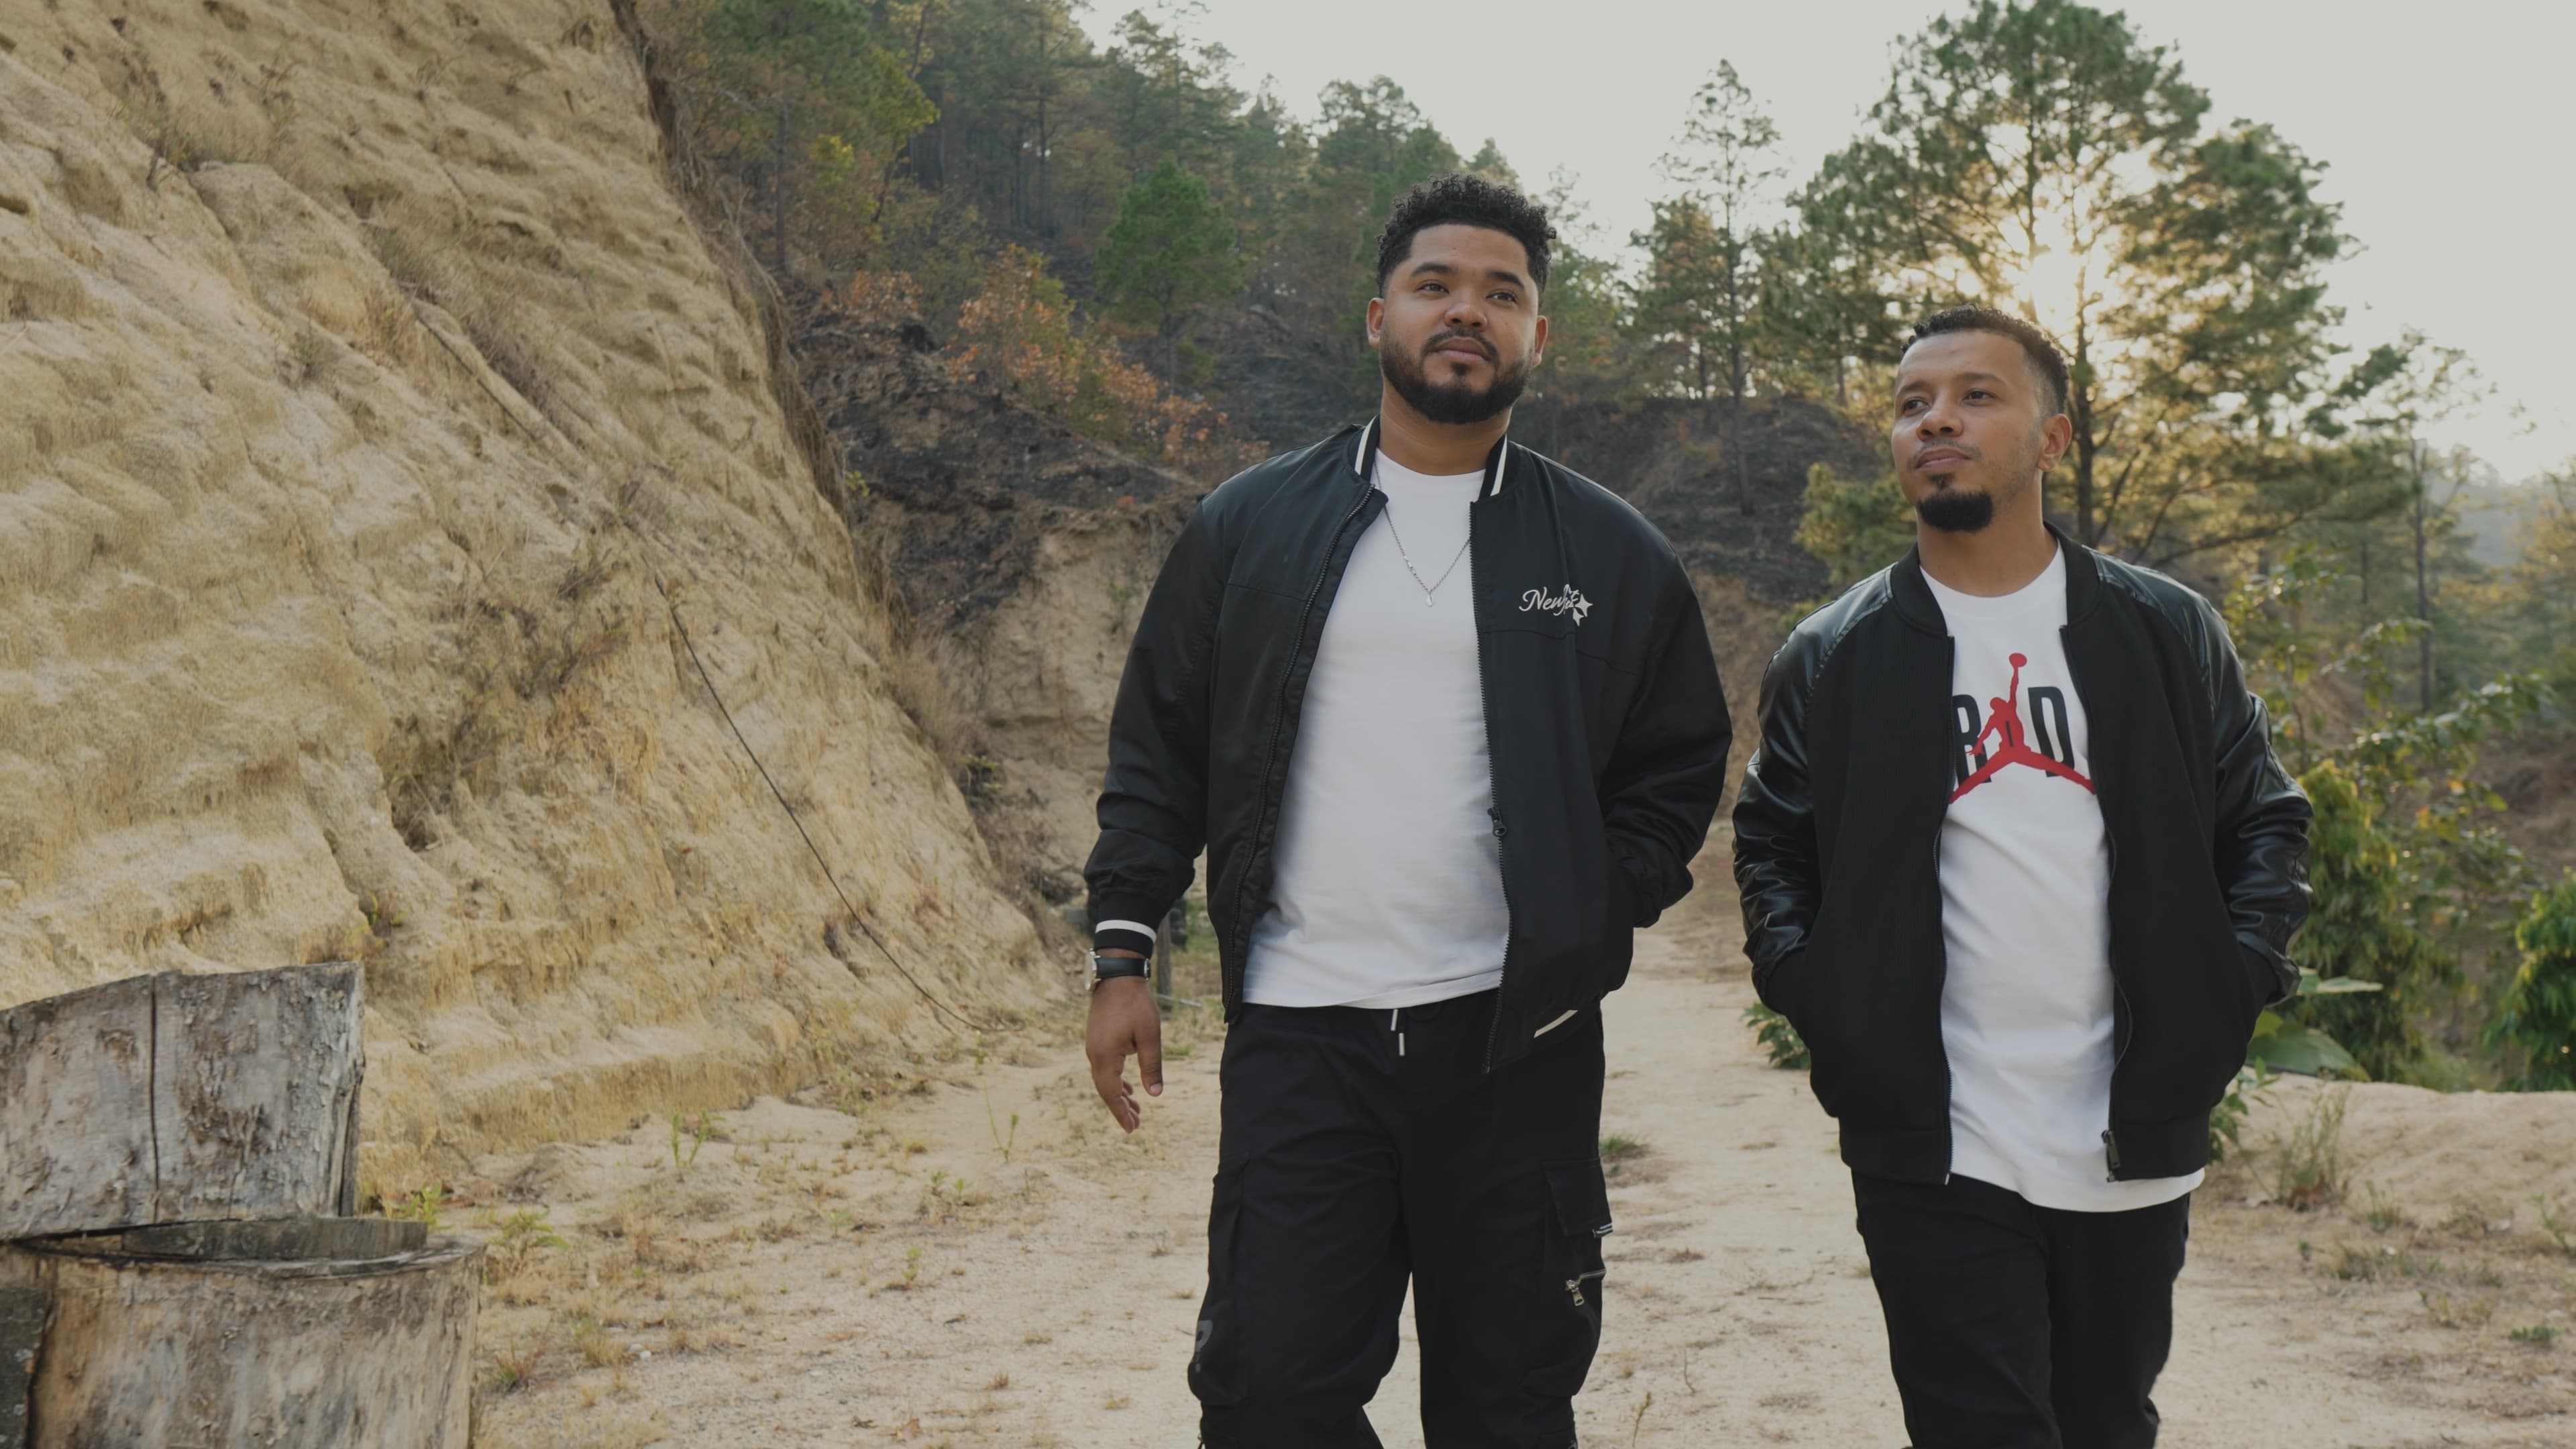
(2447, 129)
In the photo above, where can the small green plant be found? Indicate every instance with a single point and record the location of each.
(2309, 1170)
(2556, 1230)
(590, 1339)
(911, 1267)
(420, 1205)
(2380, 1211)
(2537, 1015)
(512, 1372)
(1778, 1039)
(707, 1125)
(2227, 1119)
(1618, 1150)
(1001, 1142)
(2540, 1334)
(520, 1237)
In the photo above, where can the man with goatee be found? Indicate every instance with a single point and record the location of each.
(1444, 717)
(2018, 863)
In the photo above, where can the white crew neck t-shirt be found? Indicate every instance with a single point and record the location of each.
(2025, 913)
(1390, 882)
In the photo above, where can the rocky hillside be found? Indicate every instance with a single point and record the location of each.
(1022, 552)
(365, 369)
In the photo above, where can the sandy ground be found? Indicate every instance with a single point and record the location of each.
(920, 1270)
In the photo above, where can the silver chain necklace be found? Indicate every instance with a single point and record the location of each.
(1432, 587)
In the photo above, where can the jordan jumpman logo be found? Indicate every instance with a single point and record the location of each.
(2004, 725)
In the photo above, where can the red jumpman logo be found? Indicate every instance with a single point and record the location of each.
(2004, 725)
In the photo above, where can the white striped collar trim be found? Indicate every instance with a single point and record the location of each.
(1497, 463)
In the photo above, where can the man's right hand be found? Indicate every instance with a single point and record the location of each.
(1124, 1022)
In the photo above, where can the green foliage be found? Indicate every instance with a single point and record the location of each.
(2361, 925)
(2227, 1120)
(2043, 158)
(1778, 1039)
(422, 1205)
(805, 106)
(1855, 529)
(2537, 1019)
(1170, 256)
(519, 1238)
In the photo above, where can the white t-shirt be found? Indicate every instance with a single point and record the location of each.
(2025, 913)
(1390, 882)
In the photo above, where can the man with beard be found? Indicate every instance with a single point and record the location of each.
(2019, 865)
(1444, 717)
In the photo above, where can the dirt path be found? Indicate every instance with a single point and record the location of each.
(818, 1278)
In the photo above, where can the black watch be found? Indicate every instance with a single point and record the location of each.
(1110, 968)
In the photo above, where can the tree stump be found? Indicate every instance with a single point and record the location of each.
(157, 1353)
(173, 1098)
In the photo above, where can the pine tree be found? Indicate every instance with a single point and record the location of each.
(1169, 257)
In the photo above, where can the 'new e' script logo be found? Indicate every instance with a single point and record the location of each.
(1567, 600)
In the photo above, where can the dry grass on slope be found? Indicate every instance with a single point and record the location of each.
(365, 367)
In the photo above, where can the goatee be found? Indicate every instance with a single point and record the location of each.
(1453, 404)
(1956, 510)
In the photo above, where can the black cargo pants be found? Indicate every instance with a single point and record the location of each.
(2011, 1326)
(1362, 1148)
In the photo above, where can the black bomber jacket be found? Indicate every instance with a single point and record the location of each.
(1603, 716)
(1837, 839)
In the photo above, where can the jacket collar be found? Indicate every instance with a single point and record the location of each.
(1913, 594)
(1497, 462)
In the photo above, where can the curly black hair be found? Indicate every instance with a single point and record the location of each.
(2045, 359)
(1465, 200)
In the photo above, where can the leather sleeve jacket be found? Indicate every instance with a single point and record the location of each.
(1836, 847)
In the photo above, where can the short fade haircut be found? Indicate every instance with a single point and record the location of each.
(1465, 200)
(2045, 359)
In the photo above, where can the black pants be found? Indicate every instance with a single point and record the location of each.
(2020, 1327)
(1361, 1148)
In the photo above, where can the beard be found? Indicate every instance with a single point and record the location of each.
(1454, 404)
(1966, 510)
(1956, 510)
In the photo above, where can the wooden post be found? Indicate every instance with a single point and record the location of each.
(156, 1353)
(22, 1328)
(169, 1098)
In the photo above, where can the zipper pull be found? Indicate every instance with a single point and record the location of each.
(1499, 830)
(2111, 1151)
(1574, 1287)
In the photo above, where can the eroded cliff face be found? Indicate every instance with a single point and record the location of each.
(1023, 552)
(361, 368)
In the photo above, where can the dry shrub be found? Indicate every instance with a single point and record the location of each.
(1022, 332)
(439, 271)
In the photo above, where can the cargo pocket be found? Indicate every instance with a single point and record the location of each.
(1566, 1320)
(1216, 1373)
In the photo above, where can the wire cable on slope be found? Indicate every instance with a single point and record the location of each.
(858, 918)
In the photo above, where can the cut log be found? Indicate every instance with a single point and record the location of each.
(22, 1327)
(276, 1239)
(163, 1354)
(172, 1098)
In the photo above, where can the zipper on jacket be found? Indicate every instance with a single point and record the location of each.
(1494, 784)
(2125, 1018)
(1574, 1285)
(1941, 982)
(1279, 723)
